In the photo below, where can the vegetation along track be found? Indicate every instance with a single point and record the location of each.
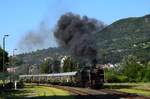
(123, 94)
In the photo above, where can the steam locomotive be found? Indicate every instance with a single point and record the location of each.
(90, 77)
(85, 77)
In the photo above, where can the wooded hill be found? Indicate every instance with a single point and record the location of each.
(121, 38)
(124, 37)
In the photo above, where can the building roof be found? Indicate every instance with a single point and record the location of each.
(53, 74)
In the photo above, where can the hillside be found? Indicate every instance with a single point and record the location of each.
(121, 38)
(39, 56)
(124, 37)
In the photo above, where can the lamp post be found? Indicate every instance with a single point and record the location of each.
(14, 51)
(4, 51)
(14, 81)
(13, 64)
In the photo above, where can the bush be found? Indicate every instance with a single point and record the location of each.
(132, 68)
(129, 70)
(9, 85)
(111, 75)
(122, 78)
(55, 81)
(20, 84)
(147, 74)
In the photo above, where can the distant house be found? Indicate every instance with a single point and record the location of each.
(48, 58)
(109, 65)
(11, 69)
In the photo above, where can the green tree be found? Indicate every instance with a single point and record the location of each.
(56, 66)
(110, 75)
(132, 68)
(114, 75)
(46, 67)
(147, 73)
(69, 65)
(17, 62)
(1, 60)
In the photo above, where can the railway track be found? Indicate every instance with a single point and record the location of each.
(102, 93)
(123, 94)
(87, 93)
(81, 93)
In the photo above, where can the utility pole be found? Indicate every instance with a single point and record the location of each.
(4, 55)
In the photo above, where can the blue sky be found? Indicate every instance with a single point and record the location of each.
(20, 16)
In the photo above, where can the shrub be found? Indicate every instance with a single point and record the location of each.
(132, 68)
(122, 78)
(110, 75)
(20, 84)
(129, 70)
(147, 74)
(9, 85)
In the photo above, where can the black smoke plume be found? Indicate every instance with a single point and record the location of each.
(76, 34)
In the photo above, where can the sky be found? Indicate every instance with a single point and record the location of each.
(18, 17)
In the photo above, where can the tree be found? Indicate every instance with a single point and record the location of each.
(56, 66)
(132, 68)
(46, 67)
(1, 59)
(69, 65)
(147, 73)
(16, 61)
(50, 66)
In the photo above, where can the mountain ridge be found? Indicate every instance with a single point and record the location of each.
(121, 38)
(123, 35)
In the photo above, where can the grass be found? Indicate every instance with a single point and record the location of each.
(38, 92)
(45, 91)
(136, 91)
(136, 88)
(1, 82)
